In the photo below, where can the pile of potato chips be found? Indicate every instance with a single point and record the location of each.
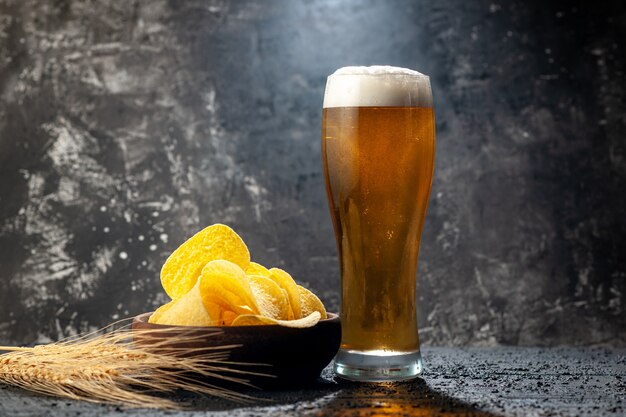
(213, 283)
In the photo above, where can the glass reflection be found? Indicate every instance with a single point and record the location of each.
(413, 398)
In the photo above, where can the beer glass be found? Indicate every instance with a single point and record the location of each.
(378, 146)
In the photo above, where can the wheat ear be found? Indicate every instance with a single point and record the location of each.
(107, 367)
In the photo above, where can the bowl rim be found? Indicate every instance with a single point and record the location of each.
(144, 317)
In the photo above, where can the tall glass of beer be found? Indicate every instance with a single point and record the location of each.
(378, 146)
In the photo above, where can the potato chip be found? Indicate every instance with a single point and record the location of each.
(284, 280)
(154, 318)
(258, 320)
(181, 270)
(212, 282)
(272, 300)
(222, 317)
(257, 269)
(225, 284)
(228, 317)
(189, 310)
(310, 303)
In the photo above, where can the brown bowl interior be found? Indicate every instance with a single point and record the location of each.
(291, 356)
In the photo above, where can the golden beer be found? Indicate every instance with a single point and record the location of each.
(378, 165)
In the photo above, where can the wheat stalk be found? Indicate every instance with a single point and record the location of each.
(108, 367)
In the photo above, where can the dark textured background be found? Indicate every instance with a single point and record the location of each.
(125, 126)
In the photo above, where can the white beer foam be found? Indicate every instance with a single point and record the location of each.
(377, 86)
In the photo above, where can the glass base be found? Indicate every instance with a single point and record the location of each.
(377, 365)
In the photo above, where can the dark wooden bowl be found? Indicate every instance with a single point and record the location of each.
(291, 356)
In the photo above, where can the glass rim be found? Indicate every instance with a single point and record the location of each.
(380, 75)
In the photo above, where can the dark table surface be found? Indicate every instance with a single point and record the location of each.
(456, 382)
